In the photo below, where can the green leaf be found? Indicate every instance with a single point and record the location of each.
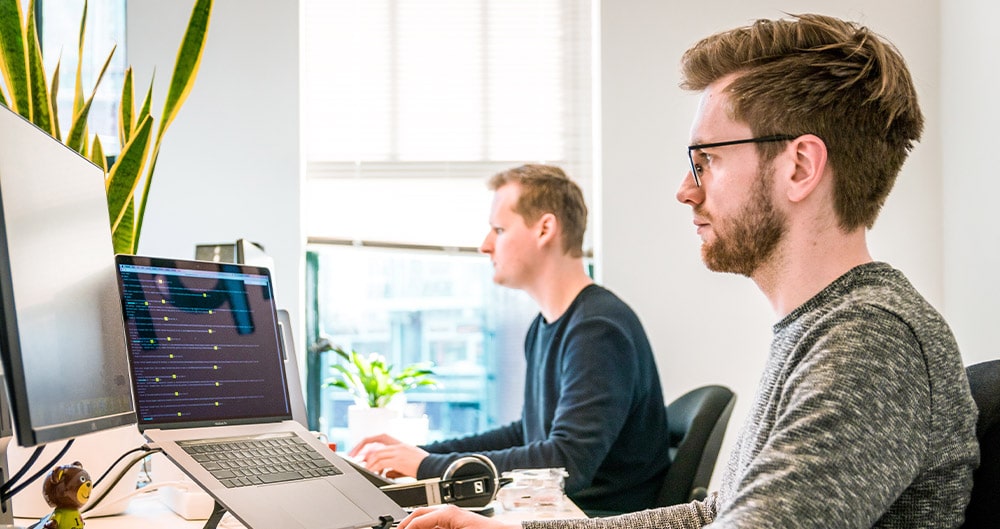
(187, 63)
(371, 379)
(122, 236)
(78, 85)
(126, 109)
(54, 95)
(124, 175)
(78, 129)
(13, 65)
(147, 103)
(40, 105)
(97, 154)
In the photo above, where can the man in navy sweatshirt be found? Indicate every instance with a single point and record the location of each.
(592, 399)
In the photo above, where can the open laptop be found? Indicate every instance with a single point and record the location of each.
(296, 399)
(209, 387)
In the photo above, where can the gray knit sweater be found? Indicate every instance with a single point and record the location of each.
(863, 418)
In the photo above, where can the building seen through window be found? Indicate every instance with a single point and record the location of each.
(423, 306)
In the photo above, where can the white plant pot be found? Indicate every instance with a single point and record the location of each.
(363, 421)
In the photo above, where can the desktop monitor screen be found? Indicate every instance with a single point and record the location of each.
(62, 337)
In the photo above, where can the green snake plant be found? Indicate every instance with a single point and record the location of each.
(27, 91)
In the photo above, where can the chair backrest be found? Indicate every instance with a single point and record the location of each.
(696, 422)
(984, 508)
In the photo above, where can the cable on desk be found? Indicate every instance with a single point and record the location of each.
(24, 468)
(8, 494)
(146, 451)
(118, 477)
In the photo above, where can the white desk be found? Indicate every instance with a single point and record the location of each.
(148, 512)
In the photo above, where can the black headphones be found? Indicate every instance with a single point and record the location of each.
(473, 480)
(469, 481)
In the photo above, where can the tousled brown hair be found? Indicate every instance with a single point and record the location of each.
(547, 189)
(814, 74)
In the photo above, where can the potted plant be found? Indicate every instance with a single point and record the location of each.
(29, 93)
(379, 392)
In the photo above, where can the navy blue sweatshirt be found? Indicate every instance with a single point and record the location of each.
(593, 404)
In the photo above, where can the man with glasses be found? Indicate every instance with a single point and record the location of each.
(863, 417)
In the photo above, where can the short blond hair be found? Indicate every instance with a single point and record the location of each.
(547, 189)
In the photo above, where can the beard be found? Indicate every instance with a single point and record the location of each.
(751, 237)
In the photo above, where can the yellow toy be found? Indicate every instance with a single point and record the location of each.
(67, 488)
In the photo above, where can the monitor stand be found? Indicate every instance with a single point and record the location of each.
(7, 507)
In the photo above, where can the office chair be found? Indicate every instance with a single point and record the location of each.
(696, 423)
(983, 510)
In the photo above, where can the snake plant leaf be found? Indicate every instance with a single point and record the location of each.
(78, 129)
(124, 234)
(38, 91)
(97, 154)
(186, 66)
(54, 95)
(128, 102)
(13, 67)
(124, 175)
(147, 103)
(126, 109)
(78, 85)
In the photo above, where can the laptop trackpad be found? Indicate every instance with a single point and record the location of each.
(328, 507)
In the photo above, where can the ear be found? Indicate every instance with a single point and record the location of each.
(546, 228)
(810, 167)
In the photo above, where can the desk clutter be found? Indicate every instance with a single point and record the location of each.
(537, 489)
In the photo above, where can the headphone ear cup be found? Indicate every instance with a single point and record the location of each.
(481, 472)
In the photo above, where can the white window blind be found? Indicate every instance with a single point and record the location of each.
(431, 90)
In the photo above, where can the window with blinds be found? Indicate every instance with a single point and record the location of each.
(408, 107)
(434, 90)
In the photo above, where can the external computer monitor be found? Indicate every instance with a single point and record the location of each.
(62, 337)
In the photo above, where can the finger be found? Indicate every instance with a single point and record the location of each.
(364, 452)
(422, 518)
(365, 443)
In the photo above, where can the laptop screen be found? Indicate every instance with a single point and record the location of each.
(202, 342)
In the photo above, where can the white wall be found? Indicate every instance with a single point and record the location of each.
(970, 111)
(706, 327)
(229, 165)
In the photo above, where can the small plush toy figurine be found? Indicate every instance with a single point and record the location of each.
(67, 488)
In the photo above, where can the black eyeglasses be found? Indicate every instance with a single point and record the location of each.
(696, 170)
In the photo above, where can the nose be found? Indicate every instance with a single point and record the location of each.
(689, 192)
(487, 246)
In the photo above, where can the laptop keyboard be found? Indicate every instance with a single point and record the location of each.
(246, 461)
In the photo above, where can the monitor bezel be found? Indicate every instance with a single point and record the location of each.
(26, 433)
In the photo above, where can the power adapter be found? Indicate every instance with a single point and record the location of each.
(191, 503)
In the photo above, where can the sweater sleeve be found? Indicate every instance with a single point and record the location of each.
(596, 389)
(693, 515)
(442, 453)
(850, 432)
